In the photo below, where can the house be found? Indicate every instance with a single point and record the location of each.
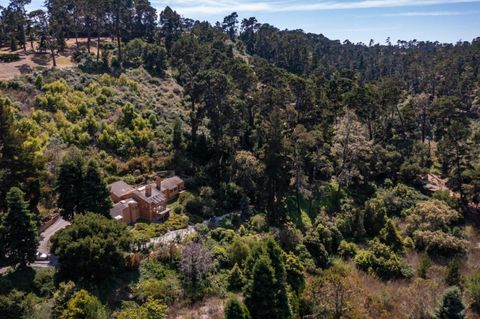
(148, 202)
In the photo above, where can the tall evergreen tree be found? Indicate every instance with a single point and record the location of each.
(260, 296)
(18, 231)
(451, 305)
(236, 310)
(70, 185)
(95, 193)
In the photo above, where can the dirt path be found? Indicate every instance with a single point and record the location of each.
(31, 60)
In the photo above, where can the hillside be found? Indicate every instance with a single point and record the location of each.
(306, 169)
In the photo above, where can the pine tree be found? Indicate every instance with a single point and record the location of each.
(261, 295)
(236, 310)
(95, 194)
(236, 280)
(282, 305)
(451, 305)
(18, 231)
(453, 277)
(70, 185)
(389, 236)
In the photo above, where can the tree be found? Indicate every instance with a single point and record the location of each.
(390, 236)
(92, 247)
(152, 309)
(85, 306)
(453, 276)
(170, 27)
(18, 231)
(18, 164)
(277, 258)
(70, 185)
(230, 25)
(260, 297)
(236, 310)
(351, 148)
(62, 295)
(473, 290)
(331, 294)
(236, 280)
(195, 265)
(451, 305)
(95, 193)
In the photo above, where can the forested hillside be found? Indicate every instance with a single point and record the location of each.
(345, 177)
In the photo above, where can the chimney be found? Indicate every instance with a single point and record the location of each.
(148, 190)
(158, 181)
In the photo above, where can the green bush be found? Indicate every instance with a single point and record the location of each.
(9, 57)
(347, 250)
(380, 260)
(472, 285)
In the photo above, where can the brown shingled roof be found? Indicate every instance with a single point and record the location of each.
(120, 188)
(171, 182)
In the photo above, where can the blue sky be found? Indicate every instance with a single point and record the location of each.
(356, 20)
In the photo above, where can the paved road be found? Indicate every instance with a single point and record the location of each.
(43, 246)
(49, 232)
(173, 235)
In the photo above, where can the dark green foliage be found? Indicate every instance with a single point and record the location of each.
(93, 247)
(450, 305)
(390, 236)
(95, 194)
(260, 297)
(236, 280)
(9, 57)
(453, 276)
(316, 248)
(70, 185)
(423, 266)
(472, 285)
(380, 260)
(236, 310)
(18, 231)
(11, 305)
(295, 270)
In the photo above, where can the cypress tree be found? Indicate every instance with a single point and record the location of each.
(451, 305)
(261, 294)
(453, 277)
(236, 310)
(236, 280)
(389, 236)
(95, 194)
(18, 231)
(282, 305)
(70, 185)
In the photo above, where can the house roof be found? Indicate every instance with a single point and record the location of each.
(171, 182)
(120, 188)
(117, 210)
(157, 196)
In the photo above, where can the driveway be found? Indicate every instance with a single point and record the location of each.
(43, 246)
(48, 233)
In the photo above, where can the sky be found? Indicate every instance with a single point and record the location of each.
(355, 20)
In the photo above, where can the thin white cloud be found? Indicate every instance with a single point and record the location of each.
(429, 13)
(206, 7)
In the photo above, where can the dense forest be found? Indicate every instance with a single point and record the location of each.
(323, 179)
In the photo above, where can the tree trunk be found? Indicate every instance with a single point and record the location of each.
(88, 34)
(98, 37)
(52, 50)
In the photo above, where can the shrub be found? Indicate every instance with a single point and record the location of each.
(472, 285)
(9, 57)
(380, 260)
(347, 250)
(430, 224)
